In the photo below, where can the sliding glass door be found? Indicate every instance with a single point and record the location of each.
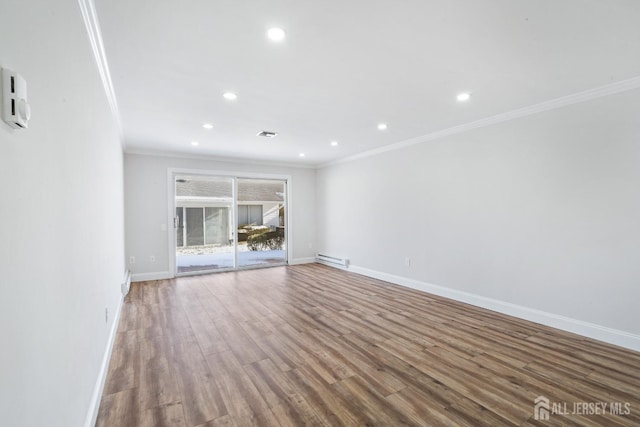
(225, 223)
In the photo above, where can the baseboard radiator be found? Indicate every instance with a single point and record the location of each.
(126, 284)
(328, 259)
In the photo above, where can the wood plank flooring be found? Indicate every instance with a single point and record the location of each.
(312, 345)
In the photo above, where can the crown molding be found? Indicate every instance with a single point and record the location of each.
(214, 158)
(90, 18)
(575, 98)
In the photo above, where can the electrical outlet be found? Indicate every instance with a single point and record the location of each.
(152, 258)
(310, 245)
(132, 260)
(407, 262)
(106, 315)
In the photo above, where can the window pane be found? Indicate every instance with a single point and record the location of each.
(211, 187)
(208, 242)
(260, 190)
(262, 212)
(195, 229)
(243, 215)
(217, 226)
(255, 214)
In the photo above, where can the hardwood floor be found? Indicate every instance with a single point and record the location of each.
(312, 345)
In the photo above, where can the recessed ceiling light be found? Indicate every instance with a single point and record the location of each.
(464, 96)
(230, 96)
(382, 126)
(301, 154)
(195, 143)
(334, 143)
(207, 126)
(276, 34)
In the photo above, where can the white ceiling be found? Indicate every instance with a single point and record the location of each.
(346, 66)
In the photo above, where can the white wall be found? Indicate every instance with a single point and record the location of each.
(146, 207)
(542, 212)
(62, 242)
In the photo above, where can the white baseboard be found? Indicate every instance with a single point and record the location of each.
(308, 260)
(96, 397)
(156, 275)
(590, 330)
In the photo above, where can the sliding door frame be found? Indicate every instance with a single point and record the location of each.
(171, 212)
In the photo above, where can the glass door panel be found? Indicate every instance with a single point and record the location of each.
(216, 226)
(205, 240)
(194, 224)
(261, 222)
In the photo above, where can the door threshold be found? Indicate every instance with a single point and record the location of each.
(227, 270)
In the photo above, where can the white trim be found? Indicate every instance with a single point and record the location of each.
(201, 204)
(234, 221)
(90, 18)
(288, 219)
(298, 261)
(229, 174)
(156, 275)
(230, 270)
(216, 158)
(575, 98)
(171, 231)
(126, 285)
(590, 330)
(96, 397)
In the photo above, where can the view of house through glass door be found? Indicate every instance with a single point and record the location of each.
(261, 222)
(224, 223)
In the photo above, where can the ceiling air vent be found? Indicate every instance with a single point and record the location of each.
(267, 134)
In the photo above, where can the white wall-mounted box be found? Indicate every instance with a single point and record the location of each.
(15, 108)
